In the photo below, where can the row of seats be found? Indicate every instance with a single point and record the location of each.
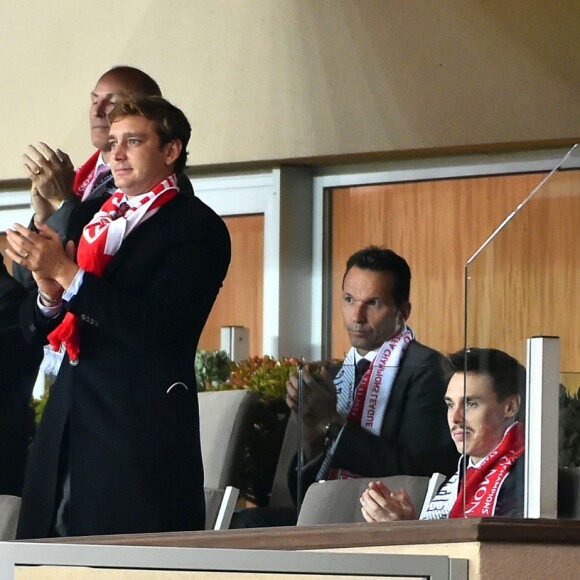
(325, 502)
(224, 418)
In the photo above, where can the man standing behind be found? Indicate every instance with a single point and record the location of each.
(390, 420)
(483, 399)
(118, 448)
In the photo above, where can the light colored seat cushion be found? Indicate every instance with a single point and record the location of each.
(9, 510)
(224, 417)
(337, 502)
(219, 507)
(281, 496)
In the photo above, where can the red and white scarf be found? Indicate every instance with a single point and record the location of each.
(101, 239)
(368, 404)
(84, 175)
(483, 483)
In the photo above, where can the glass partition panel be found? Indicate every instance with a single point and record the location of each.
(522, 282)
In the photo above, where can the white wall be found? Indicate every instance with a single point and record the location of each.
(270, 80)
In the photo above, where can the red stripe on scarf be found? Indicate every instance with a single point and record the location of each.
(84, 174)
(482, 483)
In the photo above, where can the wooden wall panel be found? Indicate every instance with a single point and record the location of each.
(240, 301)
(437, 226)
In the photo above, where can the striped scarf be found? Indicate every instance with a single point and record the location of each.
(101, 239)
(366, 403)
(84, 175)
(483, 483)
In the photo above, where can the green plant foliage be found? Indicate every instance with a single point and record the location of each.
(266, 376)
(212, 369)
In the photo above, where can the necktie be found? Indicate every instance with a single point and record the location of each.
(362, 367)
(124, 207)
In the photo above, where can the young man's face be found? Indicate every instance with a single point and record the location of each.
(137, 161)
(486, 419)
(369, 311)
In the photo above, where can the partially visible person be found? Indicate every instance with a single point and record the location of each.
(483, 399)
(118, 448)
(18, 369)
(56, 187)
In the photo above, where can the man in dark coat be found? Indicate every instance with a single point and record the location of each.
(118, 448)
(483, 398)
(18, 370)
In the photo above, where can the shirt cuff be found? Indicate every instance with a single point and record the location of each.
(73, 289)
(48, 311)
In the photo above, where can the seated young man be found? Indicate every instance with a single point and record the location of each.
(482, 407)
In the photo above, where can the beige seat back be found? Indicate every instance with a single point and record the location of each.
(280, 496)
(219, 507)
(9, 510)
(224, 417)
(337, 502)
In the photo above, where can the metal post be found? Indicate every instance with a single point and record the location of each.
(541, 480)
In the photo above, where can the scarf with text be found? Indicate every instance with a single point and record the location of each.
(101, 239)
(483, 483)
(366, 403)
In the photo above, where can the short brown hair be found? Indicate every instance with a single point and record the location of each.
(170, 122)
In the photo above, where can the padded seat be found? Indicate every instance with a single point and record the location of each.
(219, 507)
(224, 417)
(9, 510)
(337, 501)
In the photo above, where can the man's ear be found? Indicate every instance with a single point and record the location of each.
(172, 151)
(405, 310)
(513, 403)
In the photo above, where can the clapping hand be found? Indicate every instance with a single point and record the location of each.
(380, 504)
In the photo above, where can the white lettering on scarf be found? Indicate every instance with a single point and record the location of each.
(377, 383)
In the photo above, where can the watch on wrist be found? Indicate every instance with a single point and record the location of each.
(332, 430)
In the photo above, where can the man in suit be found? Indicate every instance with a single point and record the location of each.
(56, 187)
(118, 448)
(390, 420)
(18, 363)
(483, 398)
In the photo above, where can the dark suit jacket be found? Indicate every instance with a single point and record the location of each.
(130, 405)
(18, 369)
(414, 437)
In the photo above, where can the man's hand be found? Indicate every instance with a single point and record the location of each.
(42, 208)
(43, 254)
(51, 172)
(318, 405)
(318, 398)
(380, 504)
